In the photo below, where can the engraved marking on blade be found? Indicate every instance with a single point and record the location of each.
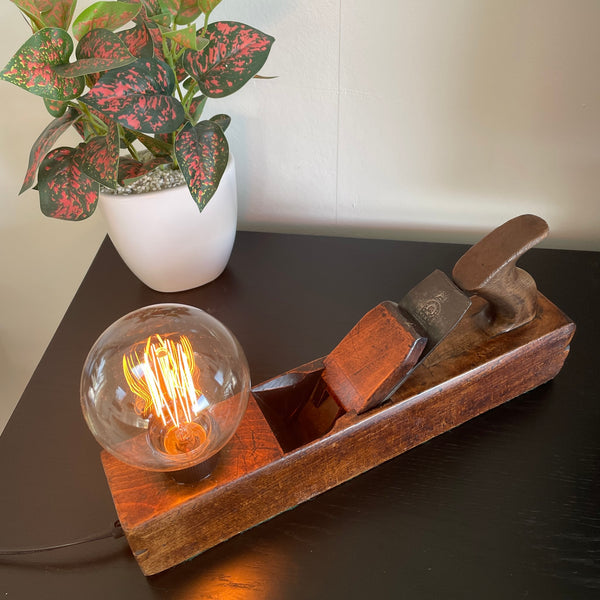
(436, 304)
(430, 310)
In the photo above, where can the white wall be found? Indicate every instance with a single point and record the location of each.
(424, 119)
(407, 119)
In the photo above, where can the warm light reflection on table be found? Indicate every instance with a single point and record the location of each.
(241, 578)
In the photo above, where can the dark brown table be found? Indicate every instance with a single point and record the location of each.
(505, 506)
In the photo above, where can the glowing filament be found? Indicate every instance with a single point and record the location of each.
(161, 375)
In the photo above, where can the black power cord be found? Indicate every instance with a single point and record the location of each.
(115, 532)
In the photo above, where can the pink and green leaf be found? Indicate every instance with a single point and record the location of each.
(144, 17)
(130, 169)
(31, 10)
(106, 15)
(222, 121)
(87, 66)
(138, 97)
(44, 142)
(188, 12)
(98, 50)
(183, 11)
(157, 146)
(138, 40)
(66, 192)
(186, 38)
(189, 83)
(55, 107)
(152, 7)
(207, 6)
(202, 153)
(197, 106)
(127, 137)
(101, 117)
(84, 129)
(56, 13)
(152, 47)
(31, 68)
(157, 40)
(146, 113)
(102, 43)
(99, 157)
(165, 138)
(180, 72)
(235, 54)
(162, 20)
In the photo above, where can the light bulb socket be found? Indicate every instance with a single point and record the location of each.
(197, 472)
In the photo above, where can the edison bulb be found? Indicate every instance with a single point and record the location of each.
(165, 387)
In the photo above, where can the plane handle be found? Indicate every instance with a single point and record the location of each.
(489, 270)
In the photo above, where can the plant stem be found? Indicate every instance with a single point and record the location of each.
(98, 126)
(129, 145)
(205, 24)
(178, 87)
(190, 94)
(171, 61)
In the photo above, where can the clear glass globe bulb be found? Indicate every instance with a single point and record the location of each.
(165, 387)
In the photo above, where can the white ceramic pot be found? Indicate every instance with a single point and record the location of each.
(166, 241)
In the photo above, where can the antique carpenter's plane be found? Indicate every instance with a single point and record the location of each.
(451, 349)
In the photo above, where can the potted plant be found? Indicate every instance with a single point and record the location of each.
(142, 73)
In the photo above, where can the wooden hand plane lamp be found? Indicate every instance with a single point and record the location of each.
(408, 371)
